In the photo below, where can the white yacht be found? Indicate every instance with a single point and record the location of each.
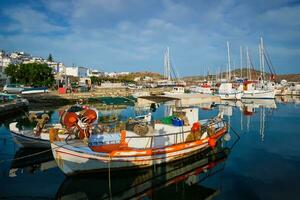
(226, 91)
(252, 92)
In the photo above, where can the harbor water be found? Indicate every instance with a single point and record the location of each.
(260, 161)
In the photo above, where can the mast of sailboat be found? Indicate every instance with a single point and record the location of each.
(167, 64)
(241, 61)
(262, 57)
(228, 56)
(248, 64)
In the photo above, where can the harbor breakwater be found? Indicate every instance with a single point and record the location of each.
(54, 99)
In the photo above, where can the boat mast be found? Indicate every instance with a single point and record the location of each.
(262, 57)
(248, 64)
(228, 56)
(241, 61)
(167, 64)
(259, 52)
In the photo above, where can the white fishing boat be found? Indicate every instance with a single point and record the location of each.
(38, 137)
(162, 143)
(251, 92)
(175, 91)
(158, 181)
(202, 89)
(227, 92)
(28, 138)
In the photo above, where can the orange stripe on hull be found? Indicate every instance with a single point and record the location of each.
(127, 152)
(168, 149)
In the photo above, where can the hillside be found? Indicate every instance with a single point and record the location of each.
(254, 75)
(133, 75)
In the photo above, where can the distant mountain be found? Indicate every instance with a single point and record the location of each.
(254, 75)
(133, 75)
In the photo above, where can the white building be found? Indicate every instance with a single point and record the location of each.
(115, 74)
(4, 62)
(81, 72)
(95, 73)
(147, 78)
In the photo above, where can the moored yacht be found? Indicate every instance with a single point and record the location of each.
(227, 92)
(253, 92)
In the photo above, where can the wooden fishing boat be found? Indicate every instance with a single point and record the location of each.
(158, 182)
(163, 143)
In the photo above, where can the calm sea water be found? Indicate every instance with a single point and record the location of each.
(263, 164)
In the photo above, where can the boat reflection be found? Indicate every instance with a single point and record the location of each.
(172, 180)
(31, 160)
(288, 99)
(31, 174)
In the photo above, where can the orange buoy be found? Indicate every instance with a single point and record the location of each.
(89, 115)
(196, 127)
(212, 142)
(69, 119)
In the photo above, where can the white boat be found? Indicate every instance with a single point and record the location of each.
(202, 89)
(251, 92)
(227, 92)
(127, 150)
(140, 94)
(156, 182)
(38, 137)
(29, 139)
(35, 90)
(176, 90)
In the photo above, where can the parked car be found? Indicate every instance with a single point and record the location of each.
(13, 88)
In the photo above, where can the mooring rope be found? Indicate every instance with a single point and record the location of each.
(31, 155)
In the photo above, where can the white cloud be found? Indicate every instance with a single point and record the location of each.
(28, 20)
(284, 16)
(120, 35)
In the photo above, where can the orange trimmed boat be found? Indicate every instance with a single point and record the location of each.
(163, 143)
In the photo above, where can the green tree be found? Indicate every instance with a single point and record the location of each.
(33, 74)
(50, 57)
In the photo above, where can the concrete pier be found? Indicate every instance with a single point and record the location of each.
(185, 99)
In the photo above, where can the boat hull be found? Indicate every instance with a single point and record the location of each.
(30, 142)
(72, 160)
(259, 95)
(231, 96)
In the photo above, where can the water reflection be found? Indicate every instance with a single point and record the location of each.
(258, 120)
(27, 160)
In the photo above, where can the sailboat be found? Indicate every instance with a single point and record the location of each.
(258, 89)
(226, 90)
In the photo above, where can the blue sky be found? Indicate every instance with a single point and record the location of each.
(131, 35)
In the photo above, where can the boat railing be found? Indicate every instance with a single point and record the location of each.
(211, 127)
